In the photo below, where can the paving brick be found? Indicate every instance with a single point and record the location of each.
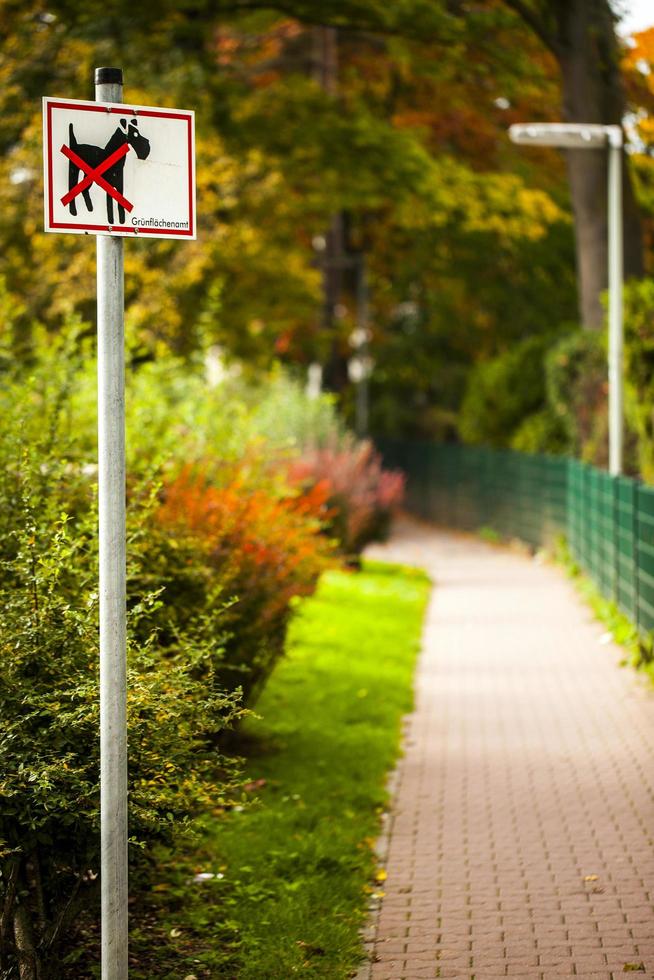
(490, 973)
(388, 971)
(586, 963)
(527, 772)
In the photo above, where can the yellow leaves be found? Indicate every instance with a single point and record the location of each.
(640, 57)
(646, 129)
(509, 209)
(490, 203)
(373, 890)
(591, 880)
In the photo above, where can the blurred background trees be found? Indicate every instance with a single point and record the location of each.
(334, 139)
(340, 144)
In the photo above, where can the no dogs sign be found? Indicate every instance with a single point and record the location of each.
(118, 169)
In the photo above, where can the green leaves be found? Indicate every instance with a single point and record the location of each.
(49, 698)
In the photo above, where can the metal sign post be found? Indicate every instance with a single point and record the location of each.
(115, 170)
(113, 589)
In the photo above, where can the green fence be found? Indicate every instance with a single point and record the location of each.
(608, 521)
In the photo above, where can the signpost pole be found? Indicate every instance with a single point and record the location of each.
(112, 591)
(85, 149)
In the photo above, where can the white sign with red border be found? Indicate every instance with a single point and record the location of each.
(118, 169)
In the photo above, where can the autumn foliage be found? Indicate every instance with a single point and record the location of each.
(265, 548)
(362, 496)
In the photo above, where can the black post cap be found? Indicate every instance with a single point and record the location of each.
(108, 76)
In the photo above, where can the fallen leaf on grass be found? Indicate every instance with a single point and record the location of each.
(254, 785)
(313, 950)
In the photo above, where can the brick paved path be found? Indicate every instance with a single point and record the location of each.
(521, 840)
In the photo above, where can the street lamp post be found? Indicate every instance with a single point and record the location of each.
(591, 136)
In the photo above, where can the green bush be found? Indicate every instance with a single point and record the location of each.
(542, 432)
(501, 393)
(219, 546)
(553, 397)
(175, 413)
(284, 415)
(577, 388)
(639, 372)
(49, 826)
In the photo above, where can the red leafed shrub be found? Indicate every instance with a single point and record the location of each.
(362, 495)
(263, 549)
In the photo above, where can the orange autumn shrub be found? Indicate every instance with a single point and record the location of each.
(263, 549)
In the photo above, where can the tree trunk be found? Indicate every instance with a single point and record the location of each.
(335, 377)
(588, 54)
(28, 965)
(581, 36)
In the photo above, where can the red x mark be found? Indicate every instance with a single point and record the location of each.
(93, 175)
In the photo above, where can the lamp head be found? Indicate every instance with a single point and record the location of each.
(566, 136)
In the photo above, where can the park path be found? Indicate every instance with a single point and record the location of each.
(521, 840)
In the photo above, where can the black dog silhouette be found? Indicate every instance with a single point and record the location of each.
(94, 155)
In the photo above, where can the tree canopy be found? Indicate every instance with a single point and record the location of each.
(468, 240)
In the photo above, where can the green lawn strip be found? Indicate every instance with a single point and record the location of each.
(297, 866)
